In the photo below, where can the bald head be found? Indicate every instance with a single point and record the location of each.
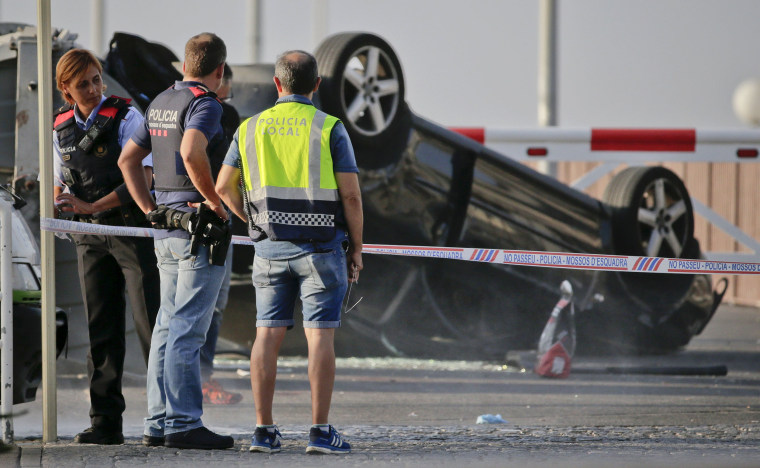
(297, 71)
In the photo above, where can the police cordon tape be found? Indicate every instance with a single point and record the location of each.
(578, 261)
(75, 227)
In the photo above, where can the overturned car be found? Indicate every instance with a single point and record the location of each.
(423, 184)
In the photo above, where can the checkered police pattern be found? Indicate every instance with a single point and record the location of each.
(295, 219)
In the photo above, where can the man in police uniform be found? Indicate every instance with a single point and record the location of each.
(182, 128)
(302, 202)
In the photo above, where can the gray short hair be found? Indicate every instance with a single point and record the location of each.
(297, 71)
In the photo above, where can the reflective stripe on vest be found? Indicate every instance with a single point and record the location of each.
(288, 172)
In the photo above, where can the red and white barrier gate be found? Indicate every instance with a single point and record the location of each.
(632, 146)
(622, 145)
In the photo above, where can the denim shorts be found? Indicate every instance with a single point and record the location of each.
(319, 279)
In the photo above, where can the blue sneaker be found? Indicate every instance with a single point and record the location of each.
(326, 442)
(266, 440)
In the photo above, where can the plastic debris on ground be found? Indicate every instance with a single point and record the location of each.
(557, 343)
(490, 419)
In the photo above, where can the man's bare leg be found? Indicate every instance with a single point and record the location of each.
(264, 354)
(321, 371)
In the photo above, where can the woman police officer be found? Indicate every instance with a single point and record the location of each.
(88, 135)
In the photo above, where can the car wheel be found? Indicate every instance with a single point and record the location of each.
(363, 85)
(652, 214)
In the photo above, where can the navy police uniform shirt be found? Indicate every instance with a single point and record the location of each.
(204, 114)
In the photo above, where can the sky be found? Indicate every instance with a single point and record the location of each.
(622, 63)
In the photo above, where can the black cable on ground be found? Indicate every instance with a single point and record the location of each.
(719, 370)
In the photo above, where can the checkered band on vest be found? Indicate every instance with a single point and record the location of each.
(294, 219)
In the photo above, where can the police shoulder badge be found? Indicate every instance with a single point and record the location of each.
(65, 157)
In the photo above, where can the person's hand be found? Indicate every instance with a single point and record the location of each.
(218, 209)
(68, 203)
(157, 217)
(354, 263)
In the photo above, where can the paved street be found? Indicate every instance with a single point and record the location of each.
(422, 413)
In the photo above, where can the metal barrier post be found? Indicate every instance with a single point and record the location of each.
(47, 244)
(6, 322)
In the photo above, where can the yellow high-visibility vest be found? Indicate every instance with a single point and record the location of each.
(288, 173)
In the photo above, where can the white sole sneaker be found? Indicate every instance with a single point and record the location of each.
(316, 449)
(258, 448)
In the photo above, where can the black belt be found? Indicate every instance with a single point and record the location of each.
(111, 220)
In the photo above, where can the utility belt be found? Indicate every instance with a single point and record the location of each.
(204, 226)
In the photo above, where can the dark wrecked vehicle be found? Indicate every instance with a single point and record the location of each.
(423, 184)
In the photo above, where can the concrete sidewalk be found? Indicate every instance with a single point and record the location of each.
(422, 413)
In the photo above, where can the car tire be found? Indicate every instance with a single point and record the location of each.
(363, 86)
(652, 214)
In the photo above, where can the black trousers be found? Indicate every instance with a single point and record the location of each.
(106, 265)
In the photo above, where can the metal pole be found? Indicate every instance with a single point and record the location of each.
(47, 246)
(6, 321)
(547, 72)
(319, 21)
(254, 30)
(97, 18)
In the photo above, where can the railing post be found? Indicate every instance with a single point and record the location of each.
(6, 320)
(47, 244)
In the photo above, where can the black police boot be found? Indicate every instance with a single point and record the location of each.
(100, 436)
(153, 441)
(198, 438)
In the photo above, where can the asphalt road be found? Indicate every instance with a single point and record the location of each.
(422, 413)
